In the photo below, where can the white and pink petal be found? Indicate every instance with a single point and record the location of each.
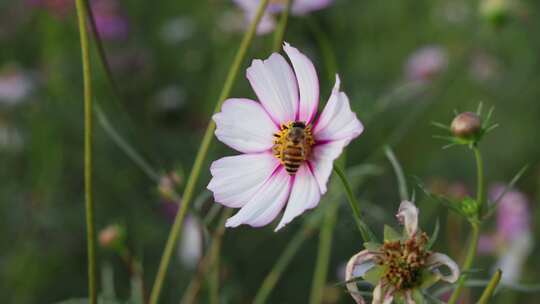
(337, 121)
(302, 7)
(357, 266)
(266, 204)
(245, 126)
(408, 216)
(437, 261)
(322, 160)
(236, 179)
(308, 83)
(267, 23)
(305, 194)
(276, 87)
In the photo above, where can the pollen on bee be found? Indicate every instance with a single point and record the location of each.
(292, 145)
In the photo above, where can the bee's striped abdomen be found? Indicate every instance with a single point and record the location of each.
(292, 145)
(293, 156)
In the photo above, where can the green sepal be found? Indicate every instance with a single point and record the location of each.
(372, 246)
(428, 279)
(374, 275)
(390, 234)
(417, 296)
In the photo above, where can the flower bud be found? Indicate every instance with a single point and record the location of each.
(111, 236)
(496, 12)
(466, 125)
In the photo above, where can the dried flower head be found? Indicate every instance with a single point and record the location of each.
(402, 265)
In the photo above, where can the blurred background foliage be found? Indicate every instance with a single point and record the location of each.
(169, 61)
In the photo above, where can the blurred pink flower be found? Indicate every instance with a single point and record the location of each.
(288, 154)
(58, 8)
(512, 240)
(426, 63)
(111, 23)
(513, 213)
(268, 22)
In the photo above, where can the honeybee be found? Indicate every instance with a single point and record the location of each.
(293, 145)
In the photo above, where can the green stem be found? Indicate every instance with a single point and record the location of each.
(402, 183)
(471, 253)
(283, 261)
(89, 203)
(323, 255)
(367, 235)
(473, 245)
(480, 194)
(201, 155)
(208, 261)
(124, 145)
(488, 292)
(281, 27)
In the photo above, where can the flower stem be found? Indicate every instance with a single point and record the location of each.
(89, 204)
(367, 235)
(480, 194)
(471, 253)
(283, 261)
(323, 254)
(201, 155)
(207, 261)
(488, 292)
(282, 26)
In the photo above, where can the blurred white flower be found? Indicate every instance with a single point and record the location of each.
(170, 98)
(15, 85)
(426, 63)
(177, 30)
(190, 249)
(10, 138)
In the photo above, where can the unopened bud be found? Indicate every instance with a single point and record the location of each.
(497, 12)
(111, 236)
(466, 125)
(168, 184)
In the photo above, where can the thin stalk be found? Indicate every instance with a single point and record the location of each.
(125, 146)
(480, 187)
(471, 253)
(207, 262)
(201, 155)
(402, 183)
(88, 135)
(323, 254)
(283, 261)
(488, 292)
(367, 235)
(475, 226)
(279, 33)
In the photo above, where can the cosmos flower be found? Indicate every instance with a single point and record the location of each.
(110, 21)
(426, 63)
(267, 23)
(288, 154)
(512, 240)
(402, 266)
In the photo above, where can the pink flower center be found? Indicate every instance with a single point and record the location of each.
(292, 145)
